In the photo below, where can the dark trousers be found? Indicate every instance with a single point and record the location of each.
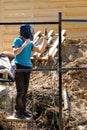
(22, 83)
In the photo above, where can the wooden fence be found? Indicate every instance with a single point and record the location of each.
(41, 11)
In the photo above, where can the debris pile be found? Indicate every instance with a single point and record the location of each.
(52, 44)
(42, 98)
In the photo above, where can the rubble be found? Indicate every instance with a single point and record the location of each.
(42, 98)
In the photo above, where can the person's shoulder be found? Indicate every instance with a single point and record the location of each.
(32, 43)
(18, 39)
(17, 42)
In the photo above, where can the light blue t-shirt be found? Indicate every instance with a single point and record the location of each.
(23, 58)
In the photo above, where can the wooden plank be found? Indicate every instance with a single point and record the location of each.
(17, 13)
(60, 0)
(59, 4)
(32, 10)
(5, 1)
(72, 31)
(46, 12)
(45, 56)
(54, 53)
(40, 44)
(10, 37)
(54, 12)
(56, 42)
(74, 24)
(49, 40)
(45, 5)
(65, 99)
(16, 5)
(8, 47)
(50, 33)
(75, 4)
(10, 34)
(8, 40)
(10, 29)
(77, 29)
(49, 18)
(76, 12)
(36, 40)
(14, 1)
(64, 33)
(44, 18)
(75, 17)
(37, 34)
(3, 91)
(12, 118)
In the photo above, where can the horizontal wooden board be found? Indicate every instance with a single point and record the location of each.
(12, 118)
(14, 1)
(75, 4)
(17, 6)
(45, 5)
(76, 12)
(41, 11)
(62, 4)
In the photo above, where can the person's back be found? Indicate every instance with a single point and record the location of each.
(24, 58)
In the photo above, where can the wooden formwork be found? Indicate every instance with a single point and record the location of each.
(52, 44)
(51, 49)
(41, 11)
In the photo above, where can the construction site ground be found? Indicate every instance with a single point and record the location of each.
(42, 98)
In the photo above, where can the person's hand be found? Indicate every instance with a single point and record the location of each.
(27, 41)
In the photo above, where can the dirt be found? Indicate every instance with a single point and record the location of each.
(74, 55)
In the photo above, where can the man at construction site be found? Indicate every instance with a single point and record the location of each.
(22, 48)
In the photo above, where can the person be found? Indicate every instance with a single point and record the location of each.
(23, 47)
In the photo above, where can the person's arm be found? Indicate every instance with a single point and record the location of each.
(41, 51)
(18, 50)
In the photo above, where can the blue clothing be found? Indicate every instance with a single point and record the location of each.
(23, 58)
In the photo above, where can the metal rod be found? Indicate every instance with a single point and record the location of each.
(74, 68)
(50, 69)
(17, 23)
(74, 20)
(60, 74)
(5, 80)
(37, 69)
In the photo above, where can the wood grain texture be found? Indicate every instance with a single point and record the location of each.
(41, 11)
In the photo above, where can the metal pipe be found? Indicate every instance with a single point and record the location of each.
(74, 20)
(17, 23)
(52, 69)
(60, 74)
